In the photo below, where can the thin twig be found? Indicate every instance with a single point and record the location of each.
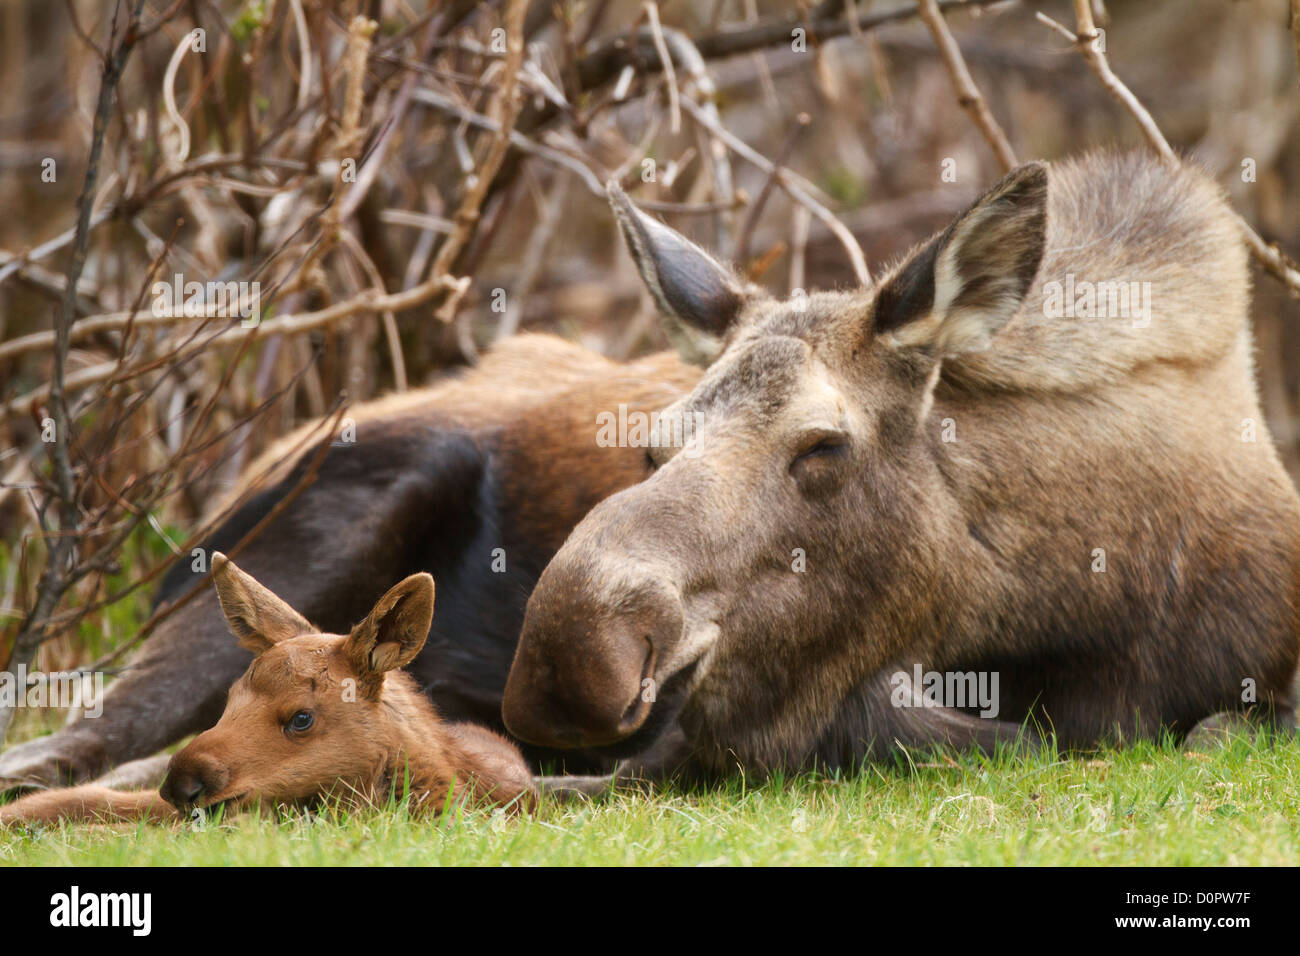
(389, 318)
(795, 190)
(54, 580)
(968, 94)
(169, 97)
(666, 61)
(801, 124)
(1087, 43)
(507, 108)
(538, 240)
(1273, 260)
(282, 325)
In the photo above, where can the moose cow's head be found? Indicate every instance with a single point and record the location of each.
(765, 574)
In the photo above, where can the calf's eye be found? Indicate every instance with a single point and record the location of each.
(301, 721)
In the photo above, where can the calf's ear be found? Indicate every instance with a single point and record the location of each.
(256, 616)
(395, 630)
(956, 293)
(698, 296)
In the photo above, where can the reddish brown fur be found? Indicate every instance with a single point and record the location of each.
(541, 396)
(373, 736)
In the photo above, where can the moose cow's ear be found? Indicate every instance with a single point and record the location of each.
(256, 616)
(395, 630)
(956, 294)
(698, 296)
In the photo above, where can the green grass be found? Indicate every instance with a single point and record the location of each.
(1149, 804)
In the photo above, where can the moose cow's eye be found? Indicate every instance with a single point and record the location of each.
(822, 446)
(301, 721)
(814, 468)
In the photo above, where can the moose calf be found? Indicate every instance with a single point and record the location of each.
(315, 716)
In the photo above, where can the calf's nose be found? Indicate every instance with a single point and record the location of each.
(190, 779)
(182, 790)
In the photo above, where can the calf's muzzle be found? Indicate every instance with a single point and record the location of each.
(192, 778)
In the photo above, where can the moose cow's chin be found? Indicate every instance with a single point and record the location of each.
(644, 720)
(585, 707)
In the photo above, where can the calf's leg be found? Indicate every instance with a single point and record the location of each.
(89, 803)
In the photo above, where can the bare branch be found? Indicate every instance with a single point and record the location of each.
(55, 578)
(670, 76)
(283, 325)
(1273, 260)
(794, 189)
(507, 108)
(968, 94)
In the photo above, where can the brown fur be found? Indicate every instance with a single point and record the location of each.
(541, 395)
(502, 455)
(372, 737)
(973, 554)
(823, 430)
(89, 803)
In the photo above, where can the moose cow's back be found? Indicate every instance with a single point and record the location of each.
(477, 479)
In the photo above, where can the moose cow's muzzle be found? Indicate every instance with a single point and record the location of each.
(584, 674)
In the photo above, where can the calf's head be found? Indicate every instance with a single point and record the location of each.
(767, 568)
(310, 714)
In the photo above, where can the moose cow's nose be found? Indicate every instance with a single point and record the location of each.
(583, 675)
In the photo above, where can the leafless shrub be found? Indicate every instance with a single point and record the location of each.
(398, 183)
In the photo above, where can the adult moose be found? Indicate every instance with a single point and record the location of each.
(941, 471)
